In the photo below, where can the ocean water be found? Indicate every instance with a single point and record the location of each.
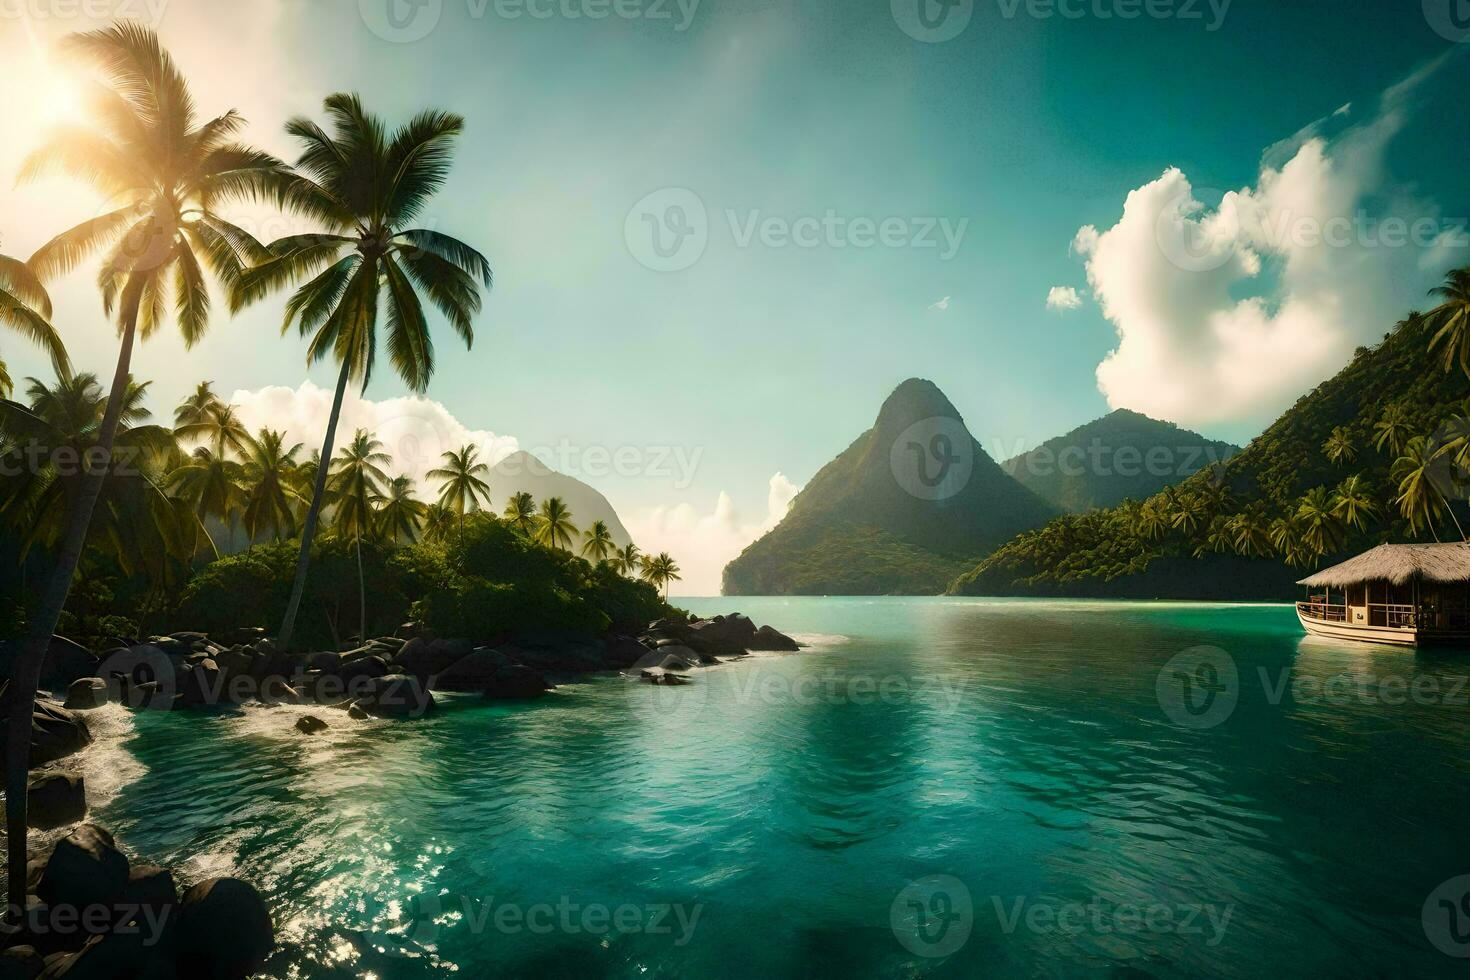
(934, 787)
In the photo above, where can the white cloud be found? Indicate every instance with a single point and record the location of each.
(414, 430)
(1062, 299)
(940, 306)
(704, 544)
(1227, 314)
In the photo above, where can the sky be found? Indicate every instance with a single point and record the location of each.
(723, 232)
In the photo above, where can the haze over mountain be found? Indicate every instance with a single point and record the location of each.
(521, 472)
(1123, 454)
(911, 502)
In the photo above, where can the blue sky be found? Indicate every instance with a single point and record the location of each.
(767, 357)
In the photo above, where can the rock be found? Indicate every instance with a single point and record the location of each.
(64, 662)
(396, 696)
(55, 732)
(55, 800)
(236, 663)
(85, 869)
(675, 658)
(424, 657)
(468, 673)
(188, 638)
(767, 638)
(310, 725)
(325, 661)
(21, 963)
(241, 635)
(516, 682)
(727, 635)
(151, 886)
(567, 652)
(203, 684)
(353, 711)
(658, 675)
(150, 697)
(113, 956)
(622, 652)
(367, 667)
(413, 631)
(224, 930)
(86, 693)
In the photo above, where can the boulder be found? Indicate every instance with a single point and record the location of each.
(65, 662)
(55, 800)
(275, 690)
(425, 657)
(675, 658)
(767, 638)
(566, 652)
(353, 711)
(131, 953)
(396, 696)
(55, 732)
(469, 673)
(84, 869)
(150, 697)
(310, 725)
(622, 652)
(224, 930)
(658, 675)
(151, 886)
(236, 663)
(325, 661)
(86, 693)
(363, 667)
(516, 682)
(21, 963)
(241, 635)
(726, 635)
(203, 684)
(413, 631)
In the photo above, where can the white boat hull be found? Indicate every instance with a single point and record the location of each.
(1400, 637)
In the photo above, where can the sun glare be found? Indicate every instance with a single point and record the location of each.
(61, 99)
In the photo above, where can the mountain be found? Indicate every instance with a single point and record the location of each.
(520, 472)
(910, 504)
(1226, 532)
(1118, 456)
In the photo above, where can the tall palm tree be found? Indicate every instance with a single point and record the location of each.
(1339, 447)
(1251, 535)
(597, 542)
(520, 511)
(400, 515)
(627, 559)
(1322, 528)
(193, 408)
(216, 425)
(367, 187)
(1420, 500)
(660, 570)
(438, 523)
(1286, 538)
(463, 488)
(1353, 502)
(270, 497)
(1392, 430)
(1450, 320)
(26, 308)
(357, 479)
(554, 527)
(213, 485)
(167, 176)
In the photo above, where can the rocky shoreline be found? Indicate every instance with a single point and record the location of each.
(91, 914)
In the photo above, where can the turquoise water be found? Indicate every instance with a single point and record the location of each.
(936, 787)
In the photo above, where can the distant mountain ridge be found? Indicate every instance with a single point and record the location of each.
(907, 506)
(521, 472)
(1121, 455)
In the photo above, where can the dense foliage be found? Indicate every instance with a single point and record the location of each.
(1374, 454)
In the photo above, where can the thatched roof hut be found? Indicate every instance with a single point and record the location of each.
(1399, 564)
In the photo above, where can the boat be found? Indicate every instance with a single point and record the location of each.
(1404, 594)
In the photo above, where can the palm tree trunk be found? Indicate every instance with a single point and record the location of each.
(361, 594)
(308, 530)
(27, 674)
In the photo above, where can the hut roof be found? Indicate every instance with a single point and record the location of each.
(1399, 564)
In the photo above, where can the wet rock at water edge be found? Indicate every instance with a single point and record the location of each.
(224, 930)
(84, 869)
(55, 732)
(310, 725)
(768, 639)
(86, 693)
(396, 696)
(55, 800)
(471, 672)
(516, 682)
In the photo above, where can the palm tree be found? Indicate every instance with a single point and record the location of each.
(366, 187)
(1218, 541)
(1188, 514)
(660, 571)
(1152, 521)
(400, 516)
(357, 479)
(627, 560)
(597, 542)
(168, 177)
(1251, 535)
(438, 523)
(1322, 529)
(520, 510)
(1392, 430)
(216, 425)
(462, 489)
(193, 408)
(1353, 502)
(270, 497)
(554, 527)
(1451, 320)
(1420, 500)
(25, 307)
(1339, 446)
(212, 484)
(1286, 538)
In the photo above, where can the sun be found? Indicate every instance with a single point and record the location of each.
(60, 99)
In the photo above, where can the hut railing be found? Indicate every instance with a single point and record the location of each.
(1323, 610)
